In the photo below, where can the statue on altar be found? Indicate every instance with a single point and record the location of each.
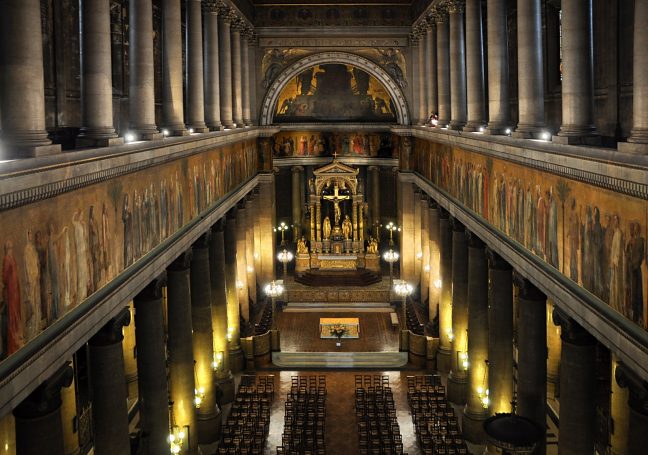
(326, 228)
(372, 247)
(346, 227)
(301, 246)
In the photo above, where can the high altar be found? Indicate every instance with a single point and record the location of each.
(337, 241)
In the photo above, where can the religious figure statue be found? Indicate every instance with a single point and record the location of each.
(347, 227)
(338, 212)
(326, 228)
(301, 246)
(372, 247)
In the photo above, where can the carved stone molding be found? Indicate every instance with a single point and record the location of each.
(496, 262)
(570, 331)
(528, 291)
(111, 333)
(182, 262)
(153, 291)
(46, 398)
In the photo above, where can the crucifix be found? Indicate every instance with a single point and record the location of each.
(336, 198)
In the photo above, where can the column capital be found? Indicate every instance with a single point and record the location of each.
(219, 226)
(297, 168)
(231, 214)
(440, 14)
(457, 226)
(46, 398)
(443, 213)
(638, 388)
(570, 330)
(111, 332)
(153, 290)
(203, 241)
(240, 205)
(182, 262)
(456, 6)
(528, 290)
(473, 240)
(495, 261)
(433, 204)
(431, 21)
(210, 6)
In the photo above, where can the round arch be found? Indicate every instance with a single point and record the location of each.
(271, 96)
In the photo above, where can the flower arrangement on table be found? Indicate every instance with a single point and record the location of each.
(338, 331)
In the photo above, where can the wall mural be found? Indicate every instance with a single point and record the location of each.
(334, 93)
(57, 252)
(317, 143)
(594, 236)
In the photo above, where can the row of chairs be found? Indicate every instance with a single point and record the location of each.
(246, 428)
(371, 380)
(377, 424)
(305, 417)
(436, 426)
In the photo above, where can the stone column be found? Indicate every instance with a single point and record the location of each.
(224, 377)
(233, 308)
(458, 378)
(638, 403)
(208, 414)
(172, 95)
(434, 280)
(212, 83)
(476, 411)
(141, 95)
(577, 75)
(407, 240)
(38, 417)
(96, 80)
(443, 66)
(109, 411)
(416, 221)
(553, 353)
(638, 140)
(237, 81)
(499, 109)
(194, 58)
(619, 413)
(500, 341)
(361, 207)
(532, 355)
(425, 248)
(313, 235)
(297, 179)
(577, 387)
(530, 67)
(245, 73)
(225, 66)
(374, 193)
(253, 204)
(430, 66)
(475, 66)
(457, 64)
(354, 220)
(22, 84)
(266, 217)
(129, 348)
(422, 92)
(182, 384)
(444, 356)
(241, 260)
(151, 367)
(69, 418)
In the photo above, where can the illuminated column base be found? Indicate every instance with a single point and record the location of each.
(233, 310)
(444, 355)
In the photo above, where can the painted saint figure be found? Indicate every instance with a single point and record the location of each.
(11, 298)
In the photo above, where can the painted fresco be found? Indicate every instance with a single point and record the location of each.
(594, 236)
(317, 143)
(334, 93)
(57, 252)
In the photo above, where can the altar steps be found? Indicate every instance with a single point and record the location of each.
(338, 307)
(339, 359)
(360, 277)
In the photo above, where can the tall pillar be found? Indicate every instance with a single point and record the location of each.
(457, 65)
(374, 194)
(297, 184)
(577, 388)
(237, 81)
(475, 66)
(233, 308)
(194, 57)
(499, 109)
(530, 67)
(619, 413)
(151, 366)
(266, 216)
(532, 355)
(408, 244)
(224, 377)
(361, 208)
(129, 350)
(241, 260)
(225, 66)
(444, 356)
(422, 92)
(476, 411)
(577, 74)
(38, 417)
(212, 82)
(172, 94)
(500, 341)
(434, 279)
(253, 204)
(208, 414)
(425, 248)
(443, 66)
(109, 411)
(416, 219)
(430, 66)
(553, 353)
(182, 384)
(458, 378)
(638, 140)
(96, 81)
(245, 74)
(22, 84)
(318, 217)
(638, 403)
(69, 419)
(141, 95)
(354, 220)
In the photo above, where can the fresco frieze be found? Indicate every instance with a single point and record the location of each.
(594, 236)
(318, 143)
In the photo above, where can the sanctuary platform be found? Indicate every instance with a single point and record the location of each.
(360, 277)
(349, 295)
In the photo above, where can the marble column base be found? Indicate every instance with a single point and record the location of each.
(147, 133)
(200, 129)
(10, 151)
(217, 127)
(456, 125)
(457, 389)
(633, 147)
(209, 427)
(473, 127)
(226, 390)
(248, 122)
(498, 130)
(524, 131)
(237, 360)
(229, 126)
(85, 141)
(178, 132)
(587, 139)
(443, 123)
(444, 360)
(472, 426)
